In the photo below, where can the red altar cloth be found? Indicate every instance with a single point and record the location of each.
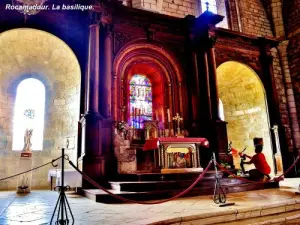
(153, 143)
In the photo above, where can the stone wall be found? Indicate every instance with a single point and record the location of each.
(243, 97)
(291, 17)
(276, 7)
(282, 97)
(292, 24)
(294, 63)
(254, 18)
(177, 8)
(253, 15)
(180, 8)
(39, 55)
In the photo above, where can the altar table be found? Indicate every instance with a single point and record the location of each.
(72, 177)
(176, 152)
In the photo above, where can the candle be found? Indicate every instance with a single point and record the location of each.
(169, 117)
(135, 112)
(162, 116)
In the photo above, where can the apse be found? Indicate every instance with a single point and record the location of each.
(245, 108)
(40, 88)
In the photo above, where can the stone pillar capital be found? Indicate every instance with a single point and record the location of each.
(106, 19)
(94, 18)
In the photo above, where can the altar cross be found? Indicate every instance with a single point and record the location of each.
(178, 119)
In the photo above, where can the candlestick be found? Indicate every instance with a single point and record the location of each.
(169, 117)
(162, 116)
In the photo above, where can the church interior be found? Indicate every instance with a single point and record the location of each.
(141, 92)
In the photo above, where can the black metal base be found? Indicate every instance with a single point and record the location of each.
(63, 208)
(219, 193)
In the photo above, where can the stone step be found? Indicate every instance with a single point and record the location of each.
(142, 186)
(171, 176)
(101, 196)
(287, 212)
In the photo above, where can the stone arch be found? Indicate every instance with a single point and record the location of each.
(155, 61)
(31, 53)
(245, 106)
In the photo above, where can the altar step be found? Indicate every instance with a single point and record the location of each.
(142, 186)
(147, 176)
(101, 196)
(155, 188)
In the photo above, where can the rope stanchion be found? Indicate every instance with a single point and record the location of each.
(62, 201)
(18, 174)
(219, 193)
(142, 202)
(258, 182)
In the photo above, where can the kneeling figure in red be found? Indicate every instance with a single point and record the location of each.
(262, 168)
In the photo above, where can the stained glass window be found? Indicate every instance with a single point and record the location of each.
(140, 100)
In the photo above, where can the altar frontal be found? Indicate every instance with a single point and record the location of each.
(174, 155)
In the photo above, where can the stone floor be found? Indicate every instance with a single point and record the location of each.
(37, 207)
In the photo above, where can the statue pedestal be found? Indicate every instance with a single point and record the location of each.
(24, 180)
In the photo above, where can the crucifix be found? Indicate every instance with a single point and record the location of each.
(178, 119)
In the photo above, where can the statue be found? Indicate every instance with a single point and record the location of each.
(27, 140)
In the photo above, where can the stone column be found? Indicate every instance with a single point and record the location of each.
(219, 132)
(202, 74)
(106, 81)
(213, 83)
(92, 81)
(289, 93)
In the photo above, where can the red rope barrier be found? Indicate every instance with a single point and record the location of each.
(141, 202)
(258, 182)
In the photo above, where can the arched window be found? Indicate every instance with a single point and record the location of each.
(212, 6)
(29, 113)
(216, 7)
(221, 110)
(140, 100)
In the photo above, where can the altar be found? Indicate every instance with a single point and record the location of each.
(172, 154)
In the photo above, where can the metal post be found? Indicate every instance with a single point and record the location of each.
(62, 204)
(62, 181)
(219, 194)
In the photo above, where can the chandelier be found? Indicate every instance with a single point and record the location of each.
(28, 7)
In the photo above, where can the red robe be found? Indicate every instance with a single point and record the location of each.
(260, 162)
